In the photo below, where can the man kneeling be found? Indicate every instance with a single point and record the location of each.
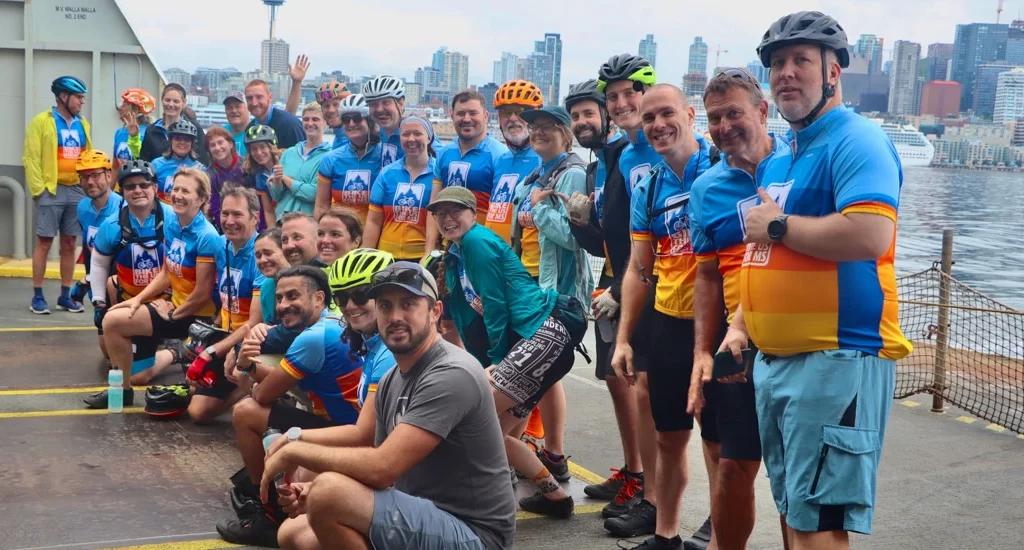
(438, 477)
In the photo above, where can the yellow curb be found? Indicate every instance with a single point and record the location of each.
(75, 412)
(208, 544)
(23, 269)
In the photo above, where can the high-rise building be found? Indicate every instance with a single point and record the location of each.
(698, 62)
(975, 43)
(940, 98)
(1015, 43)
(937, 62)
(274, 56)
(488, 90)
(649, 50)
(506, 68)
(438, 60)
(694, 84)
(1009, 96)
(759, 71)
(428, 77)
(540, 70)
(903, 78)
(552, 47)
(870, 46)
(413, 94)
(985, 82)
(455, 74)
(180, 76)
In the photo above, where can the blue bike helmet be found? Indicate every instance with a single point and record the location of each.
(69, 85)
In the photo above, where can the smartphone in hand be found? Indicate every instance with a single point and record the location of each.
(726, 365)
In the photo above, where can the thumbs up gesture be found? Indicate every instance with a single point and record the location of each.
(250, 350)
(759, 217)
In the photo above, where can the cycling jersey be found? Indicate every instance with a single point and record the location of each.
(71, 141)
(350, 177)
(187, 247)
(122, 153)
(793, 303)
(378, 361)
(602, 174)
(510, 169)
(165, 168)
(473, 170)
(320, 361)
(716, 227)
(530, 243)
(391, 147)
(636, 161)
(136, 264)
(262, 185)
(238, 282)
(91, 219)
(403, 200)
(669, 232)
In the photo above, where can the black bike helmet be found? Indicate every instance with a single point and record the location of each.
(135, 168)
(626, 66)
(261, 133)
(166, 401)
(183, 128)
(583, 91)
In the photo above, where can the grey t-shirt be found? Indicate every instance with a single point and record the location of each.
(466, 475)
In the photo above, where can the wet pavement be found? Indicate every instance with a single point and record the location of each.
(79, 481)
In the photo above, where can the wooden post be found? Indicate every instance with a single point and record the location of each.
(942, 337)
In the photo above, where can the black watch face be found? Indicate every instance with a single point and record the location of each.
(775, 229)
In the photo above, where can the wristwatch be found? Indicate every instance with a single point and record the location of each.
(293, 433)
(777, 228)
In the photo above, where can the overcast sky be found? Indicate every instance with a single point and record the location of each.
(397, 36)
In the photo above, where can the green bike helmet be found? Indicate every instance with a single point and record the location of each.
(260, 133)
(357, 267)
(626, 67)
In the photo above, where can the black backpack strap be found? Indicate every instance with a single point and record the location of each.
(715, 155)
(653, 174)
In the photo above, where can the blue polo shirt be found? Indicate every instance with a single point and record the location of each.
(320, 361)
(511, 168)
(474, 170)
(636, 161)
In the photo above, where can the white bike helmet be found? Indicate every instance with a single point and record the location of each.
(356, 104)
(383, 86)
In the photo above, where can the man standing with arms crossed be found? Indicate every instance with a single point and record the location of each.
(53, 141)
(818, 291)
(737, 121)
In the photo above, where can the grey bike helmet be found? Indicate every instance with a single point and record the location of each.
(583, 91)
(383, 86)
(261, 133)
(626, 66)
(135, 168)
(805, 27)
(183, 128)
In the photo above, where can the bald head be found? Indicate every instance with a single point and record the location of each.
(668, 90)
(667, 119)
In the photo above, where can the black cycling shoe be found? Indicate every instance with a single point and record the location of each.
(631, 493)
(243, 503)
(99, 400)
(640, 520)
(539, 504)
(559, 468)
(607, 489)
(700, 538)
(255, 530)
(657, 543)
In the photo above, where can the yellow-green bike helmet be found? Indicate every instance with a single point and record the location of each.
(357, 267)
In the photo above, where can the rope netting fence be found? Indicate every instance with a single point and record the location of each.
(968, 348)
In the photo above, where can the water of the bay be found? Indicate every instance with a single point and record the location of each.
(984, 211)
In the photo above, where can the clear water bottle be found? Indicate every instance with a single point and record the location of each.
(115, 393)
(269, 437)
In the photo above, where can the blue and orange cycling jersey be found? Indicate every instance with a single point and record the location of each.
(238, 282)
(187, 247)
(165, 168)
(473, 170)
(320, 361)
(668, 233)
(793, 303)
(509, 170)
(350, 177)
(91, 219)
(716, 227)
(403, 200)
(340, 139)
(391, 148)
(636, 160)
(262, 185)
(378, 362)
(71, 141)
(138, 263)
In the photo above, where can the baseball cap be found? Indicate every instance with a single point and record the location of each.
(560, 115)
(237, 96)
(410, 276)
(453, 195)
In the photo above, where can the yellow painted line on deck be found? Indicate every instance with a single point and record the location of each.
(910, 404)
(50, 391)
(44, 329)
(580, 511)
(206, 544)
(995, 428)
(74, 412)
(966, 419)
(583, 474)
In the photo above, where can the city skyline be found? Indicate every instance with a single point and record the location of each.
(487, 34)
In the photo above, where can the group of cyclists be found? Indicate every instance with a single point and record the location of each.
(403, 312)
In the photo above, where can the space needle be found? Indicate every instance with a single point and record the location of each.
(274, 51)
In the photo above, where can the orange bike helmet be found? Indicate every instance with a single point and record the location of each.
(332, 90)
(519, 92)
(139, 98)
(92, 159)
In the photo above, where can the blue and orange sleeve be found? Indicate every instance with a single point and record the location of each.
(306, 354)
(866, 175)
(377, 193)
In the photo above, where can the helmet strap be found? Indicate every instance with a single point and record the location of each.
(638, 86)
(827, 91)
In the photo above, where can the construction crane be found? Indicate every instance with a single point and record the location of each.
(999, 11)
(719, 50)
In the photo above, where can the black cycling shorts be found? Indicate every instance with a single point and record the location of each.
(533, 365)
(735, 414)
(643, 335)
(283, 417)
(164, 329)
(668, 374)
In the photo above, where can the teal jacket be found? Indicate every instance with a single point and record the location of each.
(302, 195)
(564, 265)
(510, 297)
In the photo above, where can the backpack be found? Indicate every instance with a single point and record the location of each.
(130, 236)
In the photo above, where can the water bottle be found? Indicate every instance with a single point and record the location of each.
(269, 437)
(115, 393)
(605, 328)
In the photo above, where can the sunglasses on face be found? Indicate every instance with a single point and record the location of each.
(359, 296)
(134, 186)
(351, 119)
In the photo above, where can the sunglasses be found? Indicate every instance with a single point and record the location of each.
(351, 119)
(737, 73)
(359, 296)
(509, 110)
(133, 186)
(325, 95)
(404, 276)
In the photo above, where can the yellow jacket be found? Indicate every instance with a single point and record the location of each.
(40, 154)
